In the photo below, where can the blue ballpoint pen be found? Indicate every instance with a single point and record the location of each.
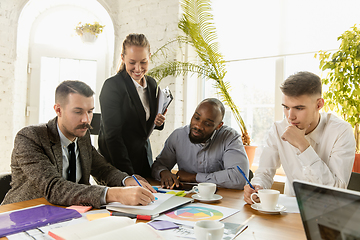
(241, 171)
(137, 181)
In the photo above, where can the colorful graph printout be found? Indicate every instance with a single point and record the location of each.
(191, 213)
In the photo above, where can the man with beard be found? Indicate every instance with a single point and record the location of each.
(55, 160)
(205, 151)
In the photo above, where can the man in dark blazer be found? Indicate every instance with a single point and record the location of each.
(41, 165)
(124, 131)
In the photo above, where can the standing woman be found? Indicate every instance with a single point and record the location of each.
(128, 110)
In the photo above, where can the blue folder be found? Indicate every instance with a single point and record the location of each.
(30, 218)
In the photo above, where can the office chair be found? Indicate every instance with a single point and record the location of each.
(5, 179)
(95, 123)
(354, 183)
(251, 174)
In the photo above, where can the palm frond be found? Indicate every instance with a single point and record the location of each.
(199, 31)
(177, 68)
(163, 51)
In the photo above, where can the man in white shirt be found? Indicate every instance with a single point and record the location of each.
(310, 146)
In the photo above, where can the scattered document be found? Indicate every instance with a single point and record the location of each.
(290, 203)
(231, 231)
(191, 213)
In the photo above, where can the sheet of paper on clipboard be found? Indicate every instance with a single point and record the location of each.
(165, 97)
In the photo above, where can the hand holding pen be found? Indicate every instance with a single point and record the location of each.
(137, 180)
(248, 189)
(169, 180)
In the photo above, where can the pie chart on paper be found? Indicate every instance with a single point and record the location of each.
(192, 213)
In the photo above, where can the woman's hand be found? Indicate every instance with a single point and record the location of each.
(160, 119)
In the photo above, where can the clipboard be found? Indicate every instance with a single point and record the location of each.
(164, 98)
(169, 204)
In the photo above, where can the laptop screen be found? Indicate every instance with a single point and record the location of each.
(327, 212)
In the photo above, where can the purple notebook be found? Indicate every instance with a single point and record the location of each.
(30, 218)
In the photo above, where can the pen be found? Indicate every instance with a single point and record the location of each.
(241, 171)
(137, 181)
(159, 190)
(174, 183)
(130, 215)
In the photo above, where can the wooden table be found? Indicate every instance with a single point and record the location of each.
(260, 226)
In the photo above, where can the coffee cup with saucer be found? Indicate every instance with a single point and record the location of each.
(268, 201)
(206, 192)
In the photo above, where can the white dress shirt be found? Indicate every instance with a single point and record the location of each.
(142, 91)
(65, 153)
(328, 160)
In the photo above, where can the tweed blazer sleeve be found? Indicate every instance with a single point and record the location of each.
(37, 170)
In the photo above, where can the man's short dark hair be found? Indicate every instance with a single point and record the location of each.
(301, 83)
(216, 102)
(71, 86)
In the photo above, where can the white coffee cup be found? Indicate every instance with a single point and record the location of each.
(268, 198)
(205, 190)
(209, 230)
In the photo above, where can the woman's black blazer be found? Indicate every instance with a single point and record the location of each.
(123, 136)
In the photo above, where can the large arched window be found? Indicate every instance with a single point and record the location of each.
(56, 53)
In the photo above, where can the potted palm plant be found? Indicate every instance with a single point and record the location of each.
(89, 32)
(343, 80)
(199, 33)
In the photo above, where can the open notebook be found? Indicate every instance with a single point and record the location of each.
(170, 203)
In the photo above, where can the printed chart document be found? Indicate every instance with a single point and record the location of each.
(191, 213)
(231, 231)
(107, 228)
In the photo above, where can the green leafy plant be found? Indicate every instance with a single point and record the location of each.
(199, 32)
(94, 29)
(343, 79)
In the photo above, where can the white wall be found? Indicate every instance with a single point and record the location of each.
(157, 19)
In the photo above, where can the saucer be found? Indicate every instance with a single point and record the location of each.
(214, 198)
(278, 209)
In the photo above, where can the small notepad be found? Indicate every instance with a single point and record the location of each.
(80, 209)
(163, 225)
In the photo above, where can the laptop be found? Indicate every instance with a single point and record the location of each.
(327, 212)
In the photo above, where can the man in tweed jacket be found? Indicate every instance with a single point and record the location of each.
(39, 164)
